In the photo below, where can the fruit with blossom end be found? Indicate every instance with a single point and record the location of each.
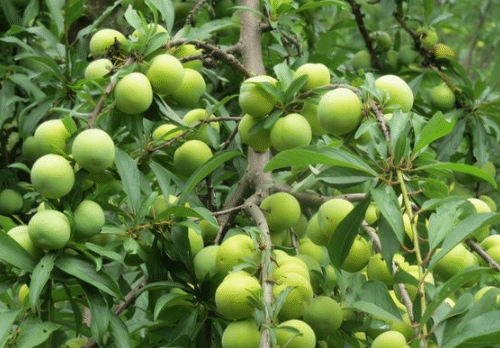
(133, 94)
(234, 250)
(305, 338)
(104, 39)
(165, 74)
(93, 150)
(191, 155)
(52, 176)
(396, 90)
(52, 136)
(317, 75)
(324, 316)
(49, 229)
(339, 111)
(390, 339)
(428, 37)
(281, 210)
(98, 69)
(290, 131)
(89, 219)
(260, 140)
(231, 296)
(330, 215)
(241, 334)
(21, 236)
(11, 201)
(193, 86)
(442, 97)
(254, 99)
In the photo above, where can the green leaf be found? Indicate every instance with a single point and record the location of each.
(24, 82)
(119, 332)
(40, 276)
(166, 9)
(387, 202)
(444, 220)
(314, 4)
(7, 93)
(100, 313)
(461, 168)
(294, 87)
(165, 285)
(8, 319)
(342, 176)
(302, 157)
(374, 299)
(437, 127)
(466, 227)
(340, 244)
(33, 332)
(74, 10)
(86, 272)
(13, 253)
(428, 7)
(481, 331)
(56, 13)
(130, 176)
(169, 300)
(207, 168)
(449, 287)
(133, 18)
(432, 188)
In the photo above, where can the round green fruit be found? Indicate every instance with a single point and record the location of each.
(190, 156)
(104, 39)
(310, 113)
(49, 229)
(330, 215)
(382, 39)
(195, 241)
(358, 256)
(133, 94)
(442, 97)
(241, 334)
(291, 264)
(52, 176)
(188, 50)
(11, 201)
(151, 30)
(396, 90)
(208, 230)
(260, 140)
(193, 86)
(205, 263)
(314, 233)
(428, 37)
(204, 131)
(89, 219)
(231, 296)
(165, 74)
(407, 54)
(281, 210)
(33, 149)
(377, 270)
(297, 299)
(93, 150)
(361, 60)
(234, 250)
(255, 100)
(318, 252)
(317, 75)
(290, 131)
(166, 132)
(456, 260)
(390, 339)
(443, 52)
(52, 136)
(490, 241)
(324, 316)
(97, 69)
(481, 208)
(305, 338)
(339, 111)
(21, 236)
(372, 214)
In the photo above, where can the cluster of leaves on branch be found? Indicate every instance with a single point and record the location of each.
(275, 173)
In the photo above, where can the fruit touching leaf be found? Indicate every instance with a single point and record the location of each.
(39, 278)
(13, 253)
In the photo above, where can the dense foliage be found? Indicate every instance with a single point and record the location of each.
(157, 177)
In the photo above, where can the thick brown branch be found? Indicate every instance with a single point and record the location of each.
(189, 18)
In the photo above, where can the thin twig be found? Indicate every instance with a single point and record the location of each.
(478, 249)
(189, 18)
(380, 119)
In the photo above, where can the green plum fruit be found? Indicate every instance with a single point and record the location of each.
(396, 90)
(205, 262)
(98, 68)
(241, 334)
(281, 210)
(304, 338)
(330, 215)
(324, 316)
(234, 250)
(317, 75)
(165, 74)
(205, 130)
(49, 229)
(190, 156)
(103, 39)
(21, 235)
(93, 150)
(442, 97)
(231, 296)
(166, 131)
(290, 131)
(52, 176)
(255, 100)
(133, 94)
(52, 136)
(11, 201)
(193, 86)
(259, 141)
(339, 111)
(89, 219)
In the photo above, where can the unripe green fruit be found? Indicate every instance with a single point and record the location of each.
(330, 215)
(192, 117)
(314, 233)
(89, 219)
(11, 201)
(397, 91)
(489, 201)
(188, 50)
(377, 270)
(300, 227)
(75, 342)
(190, 156)
(428, 37)
(310, 113)
(23, 294)
(166, 132)
(133, 94)
(104, 39)
(259, 141)
(443, 51)
(481, 208)
(255, 100)
(208, 230)
(193, 86)
(407, 54)
(52, 136)
(21, 236)
(231, 295)
(291, 264)
(98, 69)
(442, 97)
(195, 241)
(358, 256)
(339, 111)
(241, 334)
(490, 241)
(205, 262)
(383, 39)
(390, 339)
(49, 229)
(305, 339)
(290, 131)
(361, 60)
(93, 150)
(33, 149)
(456, 260)
(52, 176)
(372, 214)
(165, 74)
(317, 75)
(281, 210)
(297, 299)
(324, 316)
(234, 250)
(318, 252)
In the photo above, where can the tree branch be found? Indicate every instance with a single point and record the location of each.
(478, 249)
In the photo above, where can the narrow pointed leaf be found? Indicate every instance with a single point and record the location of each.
(13, 253)
(461, 168)
(387, 202)
(437, 127)
(40, 276)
